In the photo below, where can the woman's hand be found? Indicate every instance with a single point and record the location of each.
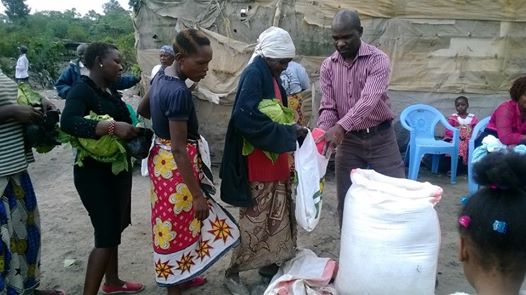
(200, 206)
(301, 133)
(25, 114)
(125, 130)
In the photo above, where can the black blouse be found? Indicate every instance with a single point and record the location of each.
(85, 97)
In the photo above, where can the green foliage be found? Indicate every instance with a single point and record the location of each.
(51, 37)
(15, 9)
(27, 96)
(278, 113)
(112, 6)
(106, 149)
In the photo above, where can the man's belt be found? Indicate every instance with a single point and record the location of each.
(372, 130)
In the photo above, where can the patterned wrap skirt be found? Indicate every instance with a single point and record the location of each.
(19, 235)
(183, 246)
(268, 228)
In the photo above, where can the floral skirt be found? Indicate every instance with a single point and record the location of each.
(19, 235)
(268, 228)
(183, 246)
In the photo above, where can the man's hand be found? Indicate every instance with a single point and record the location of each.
(334, 137)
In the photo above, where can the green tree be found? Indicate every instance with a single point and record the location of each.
(52, 37)
(15, 9)
(112, 6)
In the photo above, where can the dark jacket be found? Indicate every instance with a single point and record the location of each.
(72, 73)
(248, 122)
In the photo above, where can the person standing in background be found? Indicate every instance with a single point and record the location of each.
(166, 57)
(295, 80)
(22, 66)
(77, 68)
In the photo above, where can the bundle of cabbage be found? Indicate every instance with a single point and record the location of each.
(28, 96)
(106, 149)
(43, 133)
(278, 113)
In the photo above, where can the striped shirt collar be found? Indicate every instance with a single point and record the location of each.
(364, 50)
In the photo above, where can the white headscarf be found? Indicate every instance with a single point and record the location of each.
(274, 42)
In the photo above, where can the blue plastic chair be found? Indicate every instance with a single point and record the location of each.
(421, 120)
(481, 125)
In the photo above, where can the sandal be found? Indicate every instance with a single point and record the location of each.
(195, 282)
(126, 288)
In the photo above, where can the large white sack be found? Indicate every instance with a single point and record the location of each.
(390, 236)
(310, 168)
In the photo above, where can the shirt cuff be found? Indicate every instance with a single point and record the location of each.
(346, 124)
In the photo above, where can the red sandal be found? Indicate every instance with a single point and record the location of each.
(126, 288)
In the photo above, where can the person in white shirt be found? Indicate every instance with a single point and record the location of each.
(22, 66)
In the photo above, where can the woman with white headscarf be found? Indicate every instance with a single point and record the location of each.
(260, 186)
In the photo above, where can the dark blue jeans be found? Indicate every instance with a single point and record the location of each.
(378, 151)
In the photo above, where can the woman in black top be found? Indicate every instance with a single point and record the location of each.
(105, 196)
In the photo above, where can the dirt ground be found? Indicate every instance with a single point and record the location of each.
(67, 236)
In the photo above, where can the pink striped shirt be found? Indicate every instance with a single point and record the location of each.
(355, 95)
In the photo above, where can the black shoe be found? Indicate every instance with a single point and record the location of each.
(268, 271)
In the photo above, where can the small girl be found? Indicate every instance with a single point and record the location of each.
(465, 122)
(492, 226)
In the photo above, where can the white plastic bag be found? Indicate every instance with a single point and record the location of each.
(310, 169)
(304, 274)
(204, 151)
(390, 236)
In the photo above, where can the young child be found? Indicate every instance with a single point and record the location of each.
(465, 122)
(492, 226)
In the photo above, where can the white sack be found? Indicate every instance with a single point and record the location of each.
(390, 236)
(310, 169)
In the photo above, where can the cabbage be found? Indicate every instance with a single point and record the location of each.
(106, 149)
(106, 146)
(278, 113)
(41, 134)
(27, 96)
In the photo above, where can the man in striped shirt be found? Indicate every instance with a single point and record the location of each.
(355, 110)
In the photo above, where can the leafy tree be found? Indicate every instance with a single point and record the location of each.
(112, 6)
(15, 9)
(52, 36)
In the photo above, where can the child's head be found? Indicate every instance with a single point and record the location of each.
(461, 105)
(492, 224)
